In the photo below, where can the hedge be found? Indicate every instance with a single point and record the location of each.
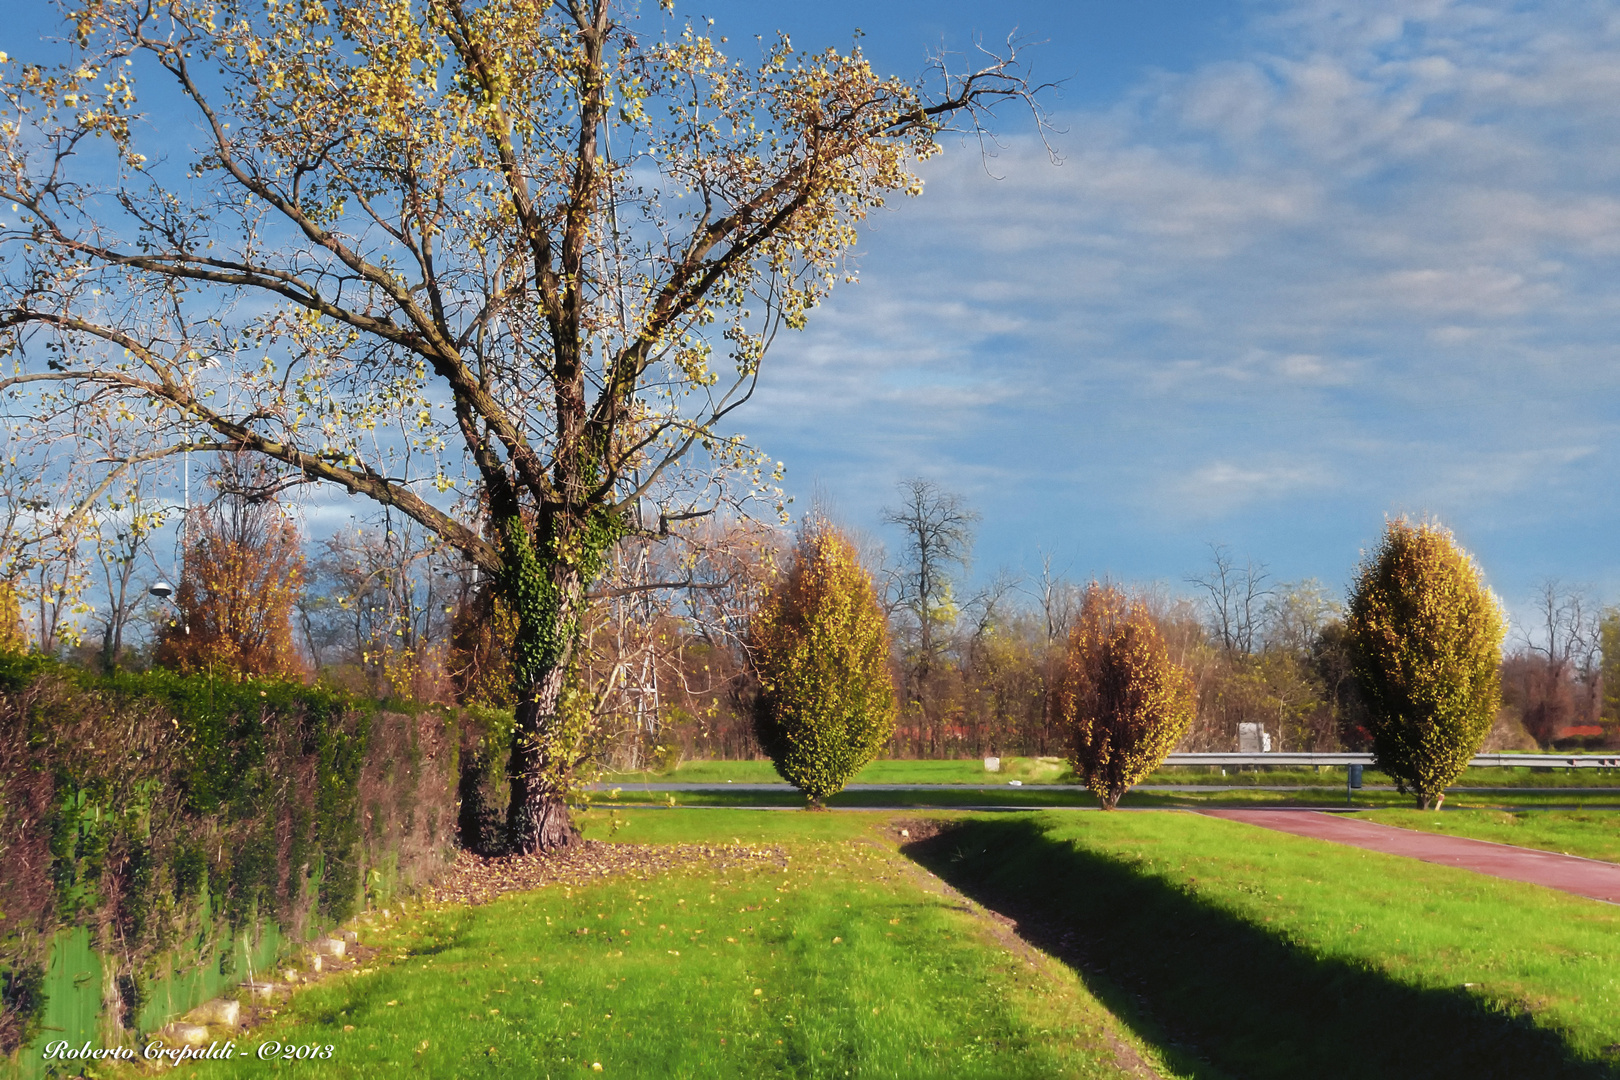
(170, 815)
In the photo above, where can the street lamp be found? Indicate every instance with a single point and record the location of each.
(163, 591)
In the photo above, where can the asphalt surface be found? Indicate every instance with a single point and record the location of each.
(1567, 873)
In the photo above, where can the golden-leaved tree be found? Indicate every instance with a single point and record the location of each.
(1124, 700)
(503, 266)
(1425, 637)
(820, 646)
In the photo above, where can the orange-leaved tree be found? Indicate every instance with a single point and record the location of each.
(1124, 701)
(244, 567)
(820, 647)
(1425, 639)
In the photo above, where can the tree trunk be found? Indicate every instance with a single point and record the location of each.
(546, 591)
(537, 819)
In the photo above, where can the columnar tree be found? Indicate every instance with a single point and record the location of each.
(821, 650)
(1609, 647)
(1425, 638)
(1124, 700)
(469, 259)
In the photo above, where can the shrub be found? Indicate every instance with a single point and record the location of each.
(1425, 639)
(1124, 702)
(821, 650)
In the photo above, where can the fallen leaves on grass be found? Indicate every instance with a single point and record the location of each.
(474, 879)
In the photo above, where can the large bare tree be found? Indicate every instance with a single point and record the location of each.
(503, 266)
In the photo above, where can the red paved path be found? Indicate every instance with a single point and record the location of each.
(1583, 877)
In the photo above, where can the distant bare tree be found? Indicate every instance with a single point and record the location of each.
(119, 542)
(1236, 599)
(1560, 682)
(991, 606)
(380, 604)
(1060, 600)
(938, 528)
(939, 537)
(43, 571)
(1567, 627)
(1295, 614)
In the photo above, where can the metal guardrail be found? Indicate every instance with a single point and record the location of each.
(1559, 761)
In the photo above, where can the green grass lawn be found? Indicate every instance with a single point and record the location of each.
(840, 964)
(1036, 797)
(1051, 770)
(1244, 952)
(1334, 798)
(1493, 776)
(1590, 834)
(1223, 950)
(788, 798)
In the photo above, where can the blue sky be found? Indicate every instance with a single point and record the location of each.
(1303, 265)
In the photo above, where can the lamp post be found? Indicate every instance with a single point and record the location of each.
(164, 591)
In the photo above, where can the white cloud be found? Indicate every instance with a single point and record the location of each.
(1221, 487)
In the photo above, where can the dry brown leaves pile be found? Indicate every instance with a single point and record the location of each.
(477, 880)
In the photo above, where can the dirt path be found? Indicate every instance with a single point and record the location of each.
(1569, 873)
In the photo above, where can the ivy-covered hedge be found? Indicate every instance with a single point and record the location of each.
(155, 809)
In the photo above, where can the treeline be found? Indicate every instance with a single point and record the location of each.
(978, 670)
(382, 612)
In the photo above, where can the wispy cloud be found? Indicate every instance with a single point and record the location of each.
(1368, 264)
(1222, 487)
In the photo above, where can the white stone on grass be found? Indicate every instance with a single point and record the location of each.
(222, 1011)
(182, 1034)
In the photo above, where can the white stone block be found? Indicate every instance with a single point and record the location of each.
(182, 1034)
(222, 1011)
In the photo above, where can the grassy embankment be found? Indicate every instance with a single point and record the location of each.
(1035, 771)
(1244, 952)
(1233, 951)
(840, 964)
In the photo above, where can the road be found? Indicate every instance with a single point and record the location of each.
(1568, 873)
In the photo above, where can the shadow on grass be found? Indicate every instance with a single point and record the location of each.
(1221, 996)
